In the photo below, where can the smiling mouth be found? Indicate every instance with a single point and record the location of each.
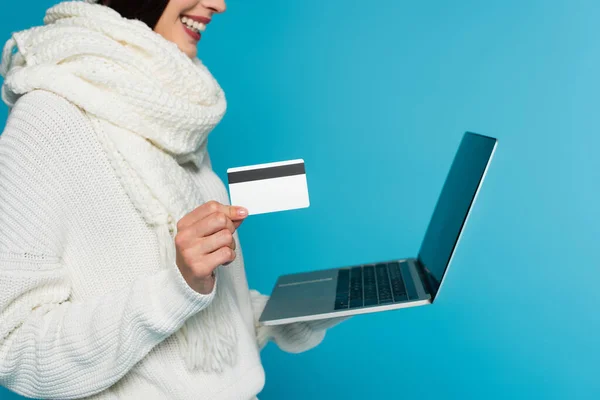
(194, 26)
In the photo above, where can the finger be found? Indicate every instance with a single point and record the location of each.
(215, 241)
(222, 256)
(211, 207)
(206, 227)
(233, 247)
(213, 224)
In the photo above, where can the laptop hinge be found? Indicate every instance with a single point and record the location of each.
(430, 284)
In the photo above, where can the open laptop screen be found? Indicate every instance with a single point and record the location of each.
(451, 211)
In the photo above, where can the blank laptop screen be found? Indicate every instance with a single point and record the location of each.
(455, 200)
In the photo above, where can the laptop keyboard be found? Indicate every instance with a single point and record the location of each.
(371, 285)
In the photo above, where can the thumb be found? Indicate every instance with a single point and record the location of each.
(236, 213)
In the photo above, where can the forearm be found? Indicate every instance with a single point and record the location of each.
(76, 349)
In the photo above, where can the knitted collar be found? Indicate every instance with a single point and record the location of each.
(152, 108)
(118, 70)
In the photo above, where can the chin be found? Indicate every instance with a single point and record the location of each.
(191, 52)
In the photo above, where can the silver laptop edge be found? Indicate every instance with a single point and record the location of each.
(423, 299)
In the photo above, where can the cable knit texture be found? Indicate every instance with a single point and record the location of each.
(135, 88)
(97, 163)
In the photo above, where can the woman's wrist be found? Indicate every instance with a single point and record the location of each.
(206, 285)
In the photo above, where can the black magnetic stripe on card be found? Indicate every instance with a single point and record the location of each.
(266, 173)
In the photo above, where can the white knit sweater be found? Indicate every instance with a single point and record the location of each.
(86, 309)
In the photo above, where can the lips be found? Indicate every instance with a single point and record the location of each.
(199, 25)
(204, 20)
(195, 35)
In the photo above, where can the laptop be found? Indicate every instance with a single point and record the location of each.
(389, 285)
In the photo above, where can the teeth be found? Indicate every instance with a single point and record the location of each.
(193, 25)
(200, 26)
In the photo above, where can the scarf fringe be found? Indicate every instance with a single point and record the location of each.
(208, 329)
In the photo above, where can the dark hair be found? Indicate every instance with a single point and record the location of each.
(147, 11)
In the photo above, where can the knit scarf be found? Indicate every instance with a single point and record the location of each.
(152, 108)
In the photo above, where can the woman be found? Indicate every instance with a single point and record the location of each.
(121, 273)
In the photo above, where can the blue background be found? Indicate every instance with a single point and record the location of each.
(375, 96)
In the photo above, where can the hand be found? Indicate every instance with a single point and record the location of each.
(205, 240)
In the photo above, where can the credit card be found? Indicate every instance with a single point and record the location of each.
(271, 187)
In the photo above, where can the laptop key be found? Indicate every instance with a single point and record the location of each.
(369, 286)
(371, 301)
(383, 284)
(356, 303)
(341, 304)
(356, 287)
(342, 294)
(397, 282)
(400, 297)
(385, 300)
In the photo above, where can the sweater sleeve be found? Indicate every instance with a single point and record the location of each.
(50, 346)
(293, 338)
